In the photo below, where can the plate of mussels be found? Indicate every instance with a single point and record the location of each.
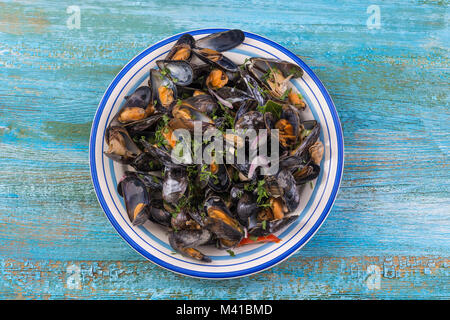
(216, 153)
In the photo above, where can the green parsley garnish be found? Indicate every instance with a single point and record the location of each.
(231, 252)
(272, 107)
(264, 224)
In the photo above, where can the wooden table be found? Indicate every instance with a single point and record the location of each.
(388, 235)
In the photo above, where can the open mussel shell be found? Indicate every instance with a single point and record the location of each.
(152, 179)
(204, 103)
(221, 180)
(159, 215)
(253, 87)
(220, 221)
(216, 59)
(175, 184)
(180, 72)
(138, 127)
(137, 106)
(136, 199)
(121, 147)
(288, 126)
(143, 162)
(230, 97)
(141, 97)
(221, 41)
(250, 120)
(312, 128)
(164, 91)
(185, 116)
(287, 183)
(246, 207)
(182, 48)
(270, 227)
(265, 64)
(183, 221)
(160, 154)
(185, 241)
(305, 173)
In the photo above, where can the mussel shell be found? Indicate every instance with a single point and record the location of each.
(184, 241)
(303, 149)
(143, 162)
(272, 186)
(223, 181)
(180, 72)
(159, 215)
(227, 227)
(135, 196)
(286, 182)
(203, 103)
(121, 148)
(236, 192)
(230, 97)
(152, 180)
(271, 226)
(186, 40)
(290, 114)
(253, 87)
(140, 126)
(182, 220)
(141, 98)
(160, 154)
(175, 184)
(222, 63)
(264, 64)
(250, 120)
(246, 207)
(221, 41)
(158, 80)
(306, 173)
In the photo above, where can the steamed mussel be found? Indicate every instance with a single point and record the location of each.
(221, 202)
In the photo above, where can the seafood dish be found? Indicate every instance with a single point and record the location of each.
(215, 151)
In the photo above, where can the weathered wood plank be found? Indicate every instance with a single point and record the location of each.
(399, 277)
(390, 86)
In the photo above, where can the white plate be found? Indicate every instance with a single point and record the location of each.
(150, 240)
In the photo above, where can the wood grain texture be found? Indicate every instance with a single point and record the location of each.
(390, 87)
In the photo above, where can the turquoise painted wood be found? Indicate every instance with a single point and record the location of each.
(388, 235)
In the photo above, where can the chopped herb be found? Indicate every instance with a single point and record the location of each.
(253, 238)
(272, 107)
(231, 252)
(286, 94)
(262, 192)
(264, 224)
(311, 185)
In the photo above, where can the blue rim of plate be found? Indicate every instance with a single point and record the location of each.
(239, 273)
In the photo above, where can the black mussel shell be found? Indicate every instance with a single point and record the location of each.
(246, 207)
(305, 173)
(159, 82)
(136, 199)
(180, 72)
(186, 41)
(185, 241)
(221, 41)
(286, 182)
(270, 227)
(175, 184)
(314, 132)
(121, 148)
